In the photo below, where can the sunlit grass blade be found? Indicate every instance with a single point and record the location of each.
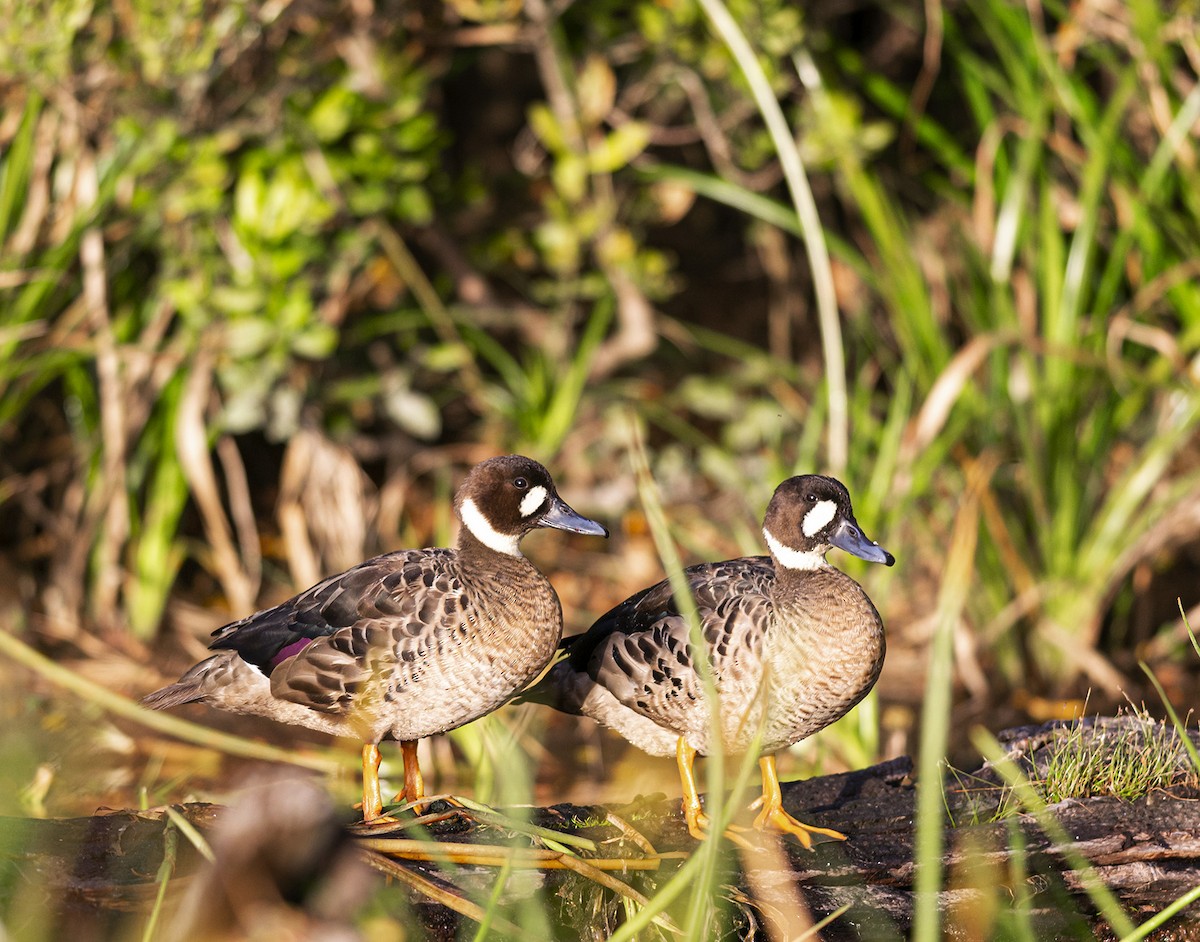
(792, 164)
(664, 896)
(492, 907)
(894, 100)
(1163, 916)
(499, 854)
(757, 206)
(563, 407)
(427, 888)
(1124, 504)
(1180, 726)
(195, 838)
(702, 891)
(486, 815)
(898, 279)
(1018, 868)
(16, 650)
(935, 716)
(814, 931)
(163, 879)
(1187, 625)
(15, 166)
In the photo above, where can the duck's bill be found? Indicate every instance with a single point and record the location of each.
(562, 517)
(850, 538)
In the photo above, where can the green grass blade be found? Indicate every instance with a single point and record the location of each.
(492, 908)
(1180, 726)
(195, 838)
(701, 900)
(894, 101)
(730, 194)
(13, 648)
(15, 169)
(935, 717)
(163, 878)
(810, 221)
(560, 415)
(1163, 916)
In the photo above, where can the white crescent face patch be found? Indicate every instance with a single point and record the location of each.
(818, 517)
(474, 520)
(532, 502)
(792, 558)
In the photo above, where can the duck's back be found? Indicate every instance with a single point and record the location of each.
(640, 650)
(405, 645)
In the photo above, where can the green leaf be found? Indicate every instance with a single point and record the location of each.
(619, 148)
(331, 116)
(546, 128)
(595, 90)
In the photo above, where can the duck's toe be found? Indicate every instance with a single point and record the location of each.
(773, 816)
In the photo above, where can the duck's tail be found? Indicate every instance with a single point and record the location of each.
(560, 688)
(192, 687)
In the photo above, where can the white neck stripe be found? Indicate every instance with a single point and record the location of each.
(818, 517)
(474, 520)
(532, 502)
(794, 559)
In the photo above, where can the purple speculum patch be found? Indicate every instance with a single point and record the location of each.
(290, 650)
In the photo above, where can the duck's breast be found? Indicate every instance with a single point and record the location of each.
(824, 654)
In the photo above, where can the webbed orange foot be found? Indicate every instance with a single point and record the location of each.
(775, 817)
(700, 826)
(772, 814)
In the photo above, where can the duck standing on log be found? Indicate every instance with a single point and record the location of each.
(410, 643)
(793, 644)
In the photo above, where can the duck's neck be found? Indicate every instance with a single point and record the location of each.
(473, 552)
(791, 581)
(823, 602)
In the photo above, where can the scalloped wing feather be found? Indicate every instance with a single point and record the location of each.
(640, 651)
(365, 665)
(369, 590)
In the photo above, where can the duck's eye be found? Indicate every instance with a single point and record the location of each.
(812, 498)
(520, 484)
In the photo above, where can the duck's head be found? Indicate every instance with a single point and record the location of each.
(504, 498)
(809, 515)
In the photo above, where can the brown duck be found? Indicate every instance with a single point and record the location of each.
(793, 644)
(408, 644)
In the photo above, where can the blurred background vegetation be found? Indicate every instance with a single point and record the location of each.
(273, 274)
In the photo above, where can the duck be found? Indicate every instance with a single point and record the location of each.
(793, 643)
(408, 644)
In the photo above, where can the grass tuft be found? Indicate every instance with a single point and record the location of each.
(1124, 761)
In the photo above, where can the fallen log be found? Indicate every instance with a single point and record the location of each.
(283, 855)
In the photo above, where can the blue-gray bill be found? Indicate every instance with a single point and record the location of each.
(562, 517)
(849, 537)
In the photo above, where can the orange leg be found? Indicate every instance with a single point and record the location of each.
(414, 784)
(773, 815)
(372, 806)
(697, 821)
(693, 813)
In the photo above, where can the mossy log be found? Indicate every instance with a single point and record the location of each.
(283, 855)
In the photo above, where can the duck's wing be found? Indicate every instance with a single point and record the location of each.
(322, 648)
(640, 651)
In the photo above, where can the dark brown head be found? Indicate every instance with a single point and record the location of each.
(810, 514)
(502, 499)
